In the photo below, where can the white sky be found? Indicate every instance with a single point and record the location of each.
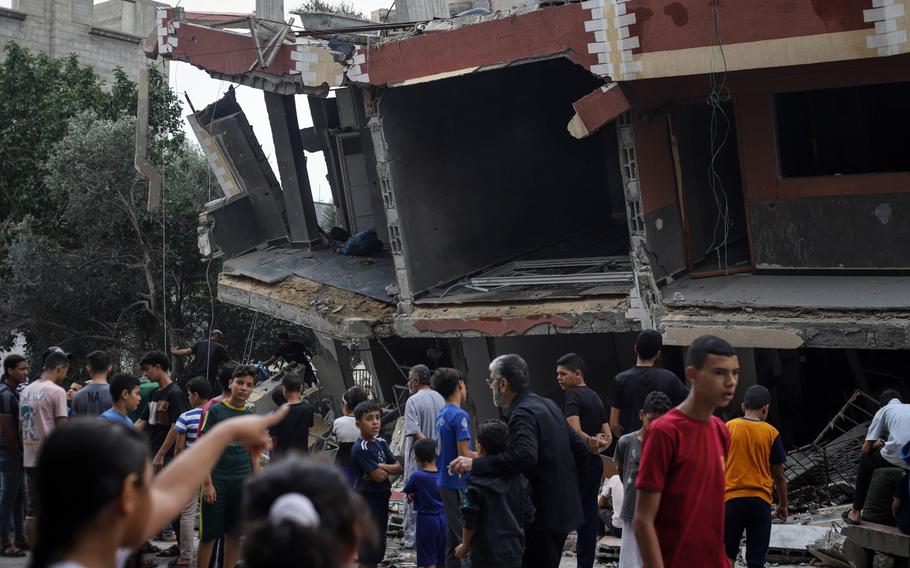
(204, 90)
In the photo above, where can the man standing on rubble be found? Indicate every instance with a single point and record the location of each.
(542, 447)
(633, 385)
(208, 357)
(419, 423)
(894, 419)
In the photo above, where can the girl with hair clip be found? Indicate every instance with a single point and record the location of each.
(116, 505)
(301, 512)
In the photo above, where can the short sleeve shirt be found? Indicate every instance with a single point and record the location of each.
(426, 495)
(893, 418)
(188, 425)
(346, 431)
(683, 459)
(366, 455)
(41, 403)
(420, 413)
(634, 385)
(92, 400)
(586, 404)
(451, 428)
(293, 433)
(628, 453)
(208, 356)
(114, 416)
(755, 446)
(235, 462)
(164, 408)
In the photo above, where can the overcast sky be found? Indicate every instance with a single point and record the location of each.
(204, 90)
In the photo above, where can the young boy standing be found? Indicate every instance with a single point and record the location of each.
(293, 433)
(346, 430)
(187, 431)
(223, 490)
(755, 462)
(496, 509)
(373, 463)
(421, 490)
(95, 397)
(679, 514)
(628, 457)
(453, 439)
(126, 394)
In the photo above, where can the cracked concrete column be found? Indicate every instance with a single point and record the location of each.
(295, 181)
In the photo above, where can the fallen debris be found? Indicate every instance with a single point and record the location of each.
(823, 473)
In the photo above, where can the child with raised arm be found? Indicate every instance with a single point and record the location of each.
(373, 463)
(431, 518)
(119, 505)
(496, 509)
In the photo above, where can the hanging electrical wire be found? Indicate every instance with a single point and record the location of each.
(719, 125)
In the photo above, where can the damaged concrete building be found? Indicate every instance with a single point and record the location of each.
(555, 178)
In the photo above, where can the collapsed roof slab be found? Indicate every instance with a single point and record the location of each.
(339, 313)
(600, 315)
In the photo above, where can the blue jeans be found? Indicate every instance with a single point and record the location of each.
(12, 495)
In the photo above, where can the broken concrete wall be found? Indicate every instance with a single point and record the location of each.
(483, 168)
(826, 221)
(860, 231)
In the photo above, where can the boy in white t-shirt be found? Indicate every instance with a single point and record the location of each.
(610, 503)
(346, 430)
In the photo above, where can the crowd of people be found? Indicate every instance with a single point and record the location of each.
(88, 480)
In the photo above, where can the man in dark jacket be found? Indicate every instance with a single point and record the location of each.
(496, 509)
(543, 448)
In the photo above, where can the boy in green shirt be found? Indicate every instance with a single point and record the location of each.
(223, 491)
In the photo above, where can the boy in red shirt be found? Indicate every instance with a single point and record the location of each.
(679, 515)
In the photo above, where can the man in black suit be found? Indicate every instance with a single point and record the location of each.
(543, 448)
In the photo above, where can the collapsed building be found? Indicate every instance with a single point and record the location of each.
(556, 177)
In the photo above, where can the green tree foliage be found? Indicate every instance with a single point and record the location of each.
(342, 8)
(82, 264)
(38, 96)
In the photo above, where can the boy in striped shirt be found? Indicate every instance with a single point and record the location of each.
(187, 429)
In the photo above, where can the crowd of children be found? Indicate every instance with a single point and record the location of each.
(686, 487)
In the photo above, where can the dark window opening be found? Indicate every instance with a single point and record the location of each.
(852, 130)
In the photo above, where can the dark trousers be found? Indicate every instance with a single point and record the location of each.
(451, 503)
(752, 515)
(589, 487)
(12, 495)
(868, 463)
(372, 553)
(543, 549)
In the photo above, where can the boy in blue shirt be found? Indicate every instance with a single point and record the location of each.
(125, 393)
(453, 439)
(431, 519)
(373, 463)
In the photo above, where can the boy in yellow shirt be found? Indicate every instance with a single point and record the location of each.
(754, 464)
